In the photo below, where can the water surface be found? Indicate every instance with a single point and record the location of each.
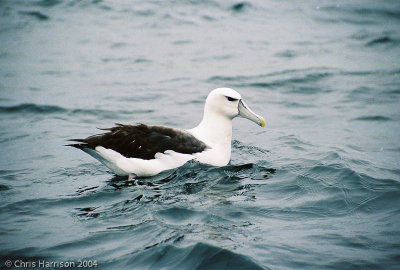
(318, 188)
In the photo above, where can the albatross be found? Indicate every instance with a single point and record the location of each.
(142, 150)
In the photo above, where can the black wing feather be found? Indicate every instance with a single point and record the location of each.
(142, 141)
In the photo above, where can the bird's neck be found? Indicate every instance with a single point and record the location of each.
(215, 130)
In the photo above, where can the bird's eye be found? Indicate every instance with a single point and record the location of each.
(231, 98)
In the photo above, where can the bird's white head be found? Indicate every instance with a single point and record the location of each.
(229, 103)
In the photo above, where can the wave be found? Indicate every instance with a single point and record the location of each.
(364, 12)
(32, 108)
(198, 256)
(48, 3)
(378, 118)
(165, 214)
(4, 187)
(383, 40)
(305, 81)
(240, 6)
(36, 14)
(298, 80)
(354, 14)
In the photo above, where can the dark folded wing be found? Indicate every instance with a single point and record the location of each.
(142, 141)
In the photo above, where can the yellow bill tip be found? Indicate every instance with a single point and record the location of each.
(262, 122)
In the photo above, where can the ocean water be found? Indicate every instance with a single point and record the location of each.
(318, 188)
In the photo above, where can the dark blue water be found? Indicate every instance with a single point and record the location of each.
(318, 188)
